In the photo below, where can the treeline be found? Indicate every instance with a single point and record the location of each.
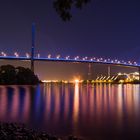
(10, 75)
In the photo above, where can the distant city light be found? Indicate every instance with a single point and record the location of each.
(76, 81)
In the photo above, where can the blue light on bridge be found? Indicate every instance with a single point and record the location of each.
(77, 59)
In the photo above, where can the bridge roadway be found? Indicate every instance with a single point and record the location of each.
(69, 60)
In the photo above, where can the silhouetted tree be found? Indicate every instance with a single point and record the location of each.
(26, 76)
(7, 74)
(20, 75)
(63, 7)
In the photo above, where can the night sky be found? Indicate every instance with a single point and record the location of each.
(103, 28)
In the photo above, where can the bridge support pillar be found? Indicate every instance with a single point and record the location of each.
(89, 71)
(109, 70)
(33, 45)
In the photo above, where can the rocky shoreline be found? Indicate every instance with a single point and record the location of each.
(14, 131)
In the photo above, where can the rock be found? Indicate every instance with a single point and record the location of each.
(14, 131)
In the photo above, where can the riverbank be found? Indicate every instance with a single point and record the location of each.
(91, 82)
(14, 131)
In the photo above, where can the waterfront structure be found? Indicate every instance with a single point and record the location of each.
(119, 78)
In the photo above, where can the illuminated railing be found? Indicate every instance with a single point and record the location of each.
(68, 58)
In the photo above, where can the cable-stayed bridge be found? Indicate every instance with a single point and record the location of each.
(32, 57)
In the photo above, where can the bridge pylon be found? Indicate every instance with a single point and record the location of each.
(33, 46)
(89, 71)
(109, 70)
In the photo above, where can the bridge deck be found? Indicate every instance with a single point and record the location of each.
(68, 60)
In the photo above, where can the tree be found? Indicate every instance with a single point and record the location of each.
(20, 75)
(26, 76)
(7, 74)
(63, 7)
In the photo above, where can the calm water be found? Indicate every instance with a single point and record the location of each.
(93, 112)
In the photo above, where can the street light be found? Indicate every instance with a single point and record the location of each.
(16, 54)
(58, 56)
(49, 56)
(27, 55)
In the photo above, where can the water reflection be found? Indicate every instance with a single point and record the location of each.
(91, 111)
(76, 103)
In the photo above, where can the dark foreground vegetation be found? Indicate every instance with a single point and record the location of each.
(14, 131)
(10, 75)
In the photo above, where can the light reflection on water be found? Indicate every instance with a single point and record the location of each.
(91, 111)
